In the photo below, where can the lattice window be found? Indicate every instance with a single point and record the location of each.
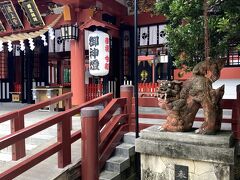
(3, 65)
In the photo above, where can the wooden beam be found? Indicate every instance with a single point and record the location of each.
(67, 13)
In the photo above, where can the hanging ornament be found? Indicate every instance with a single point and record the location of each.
(99, 53)
(31, 44)
(51, 33)
(22, 46)
(1, 46)
(43, 37)
(10, 47)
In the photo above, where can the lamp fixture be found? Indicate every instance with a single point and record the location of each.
(69, 32)
(10, 47)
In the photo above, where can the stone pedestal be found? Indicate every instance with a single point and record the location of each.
(182, 156)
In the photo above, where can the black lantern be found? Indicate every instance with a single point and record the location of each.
(69, 32)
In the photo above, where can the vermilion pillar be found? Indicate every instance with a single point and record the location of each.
(126, 91)
(90, 142)
(78, 70)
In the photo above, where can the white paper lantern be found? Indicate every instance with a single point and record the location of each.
(99, 53)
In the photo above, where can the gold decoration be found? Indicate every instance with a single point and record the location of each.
(144, 75)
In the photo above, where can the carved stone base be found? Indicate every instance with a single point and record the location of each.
(157, 167)
(182, 156)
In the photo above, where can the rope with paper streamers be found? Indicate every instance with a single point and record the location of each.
(23, 36)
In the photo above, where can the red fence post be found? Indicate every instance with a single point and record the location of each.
(90, 142)
(237, 113)
(64, 136)
(68, 105)
(18, 149)
(126, 91)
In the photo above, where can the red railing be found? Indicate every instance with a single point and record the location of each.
(108, 121)
(93, 91)
(228, 104)
(144, 89)
(101, 132)
(17, 120)
(17, 87)
(147, 89)
(98, 147)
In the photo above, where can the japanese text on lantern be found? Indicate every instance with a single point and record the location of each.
(94, 52)
(107, 50)
(99, 57)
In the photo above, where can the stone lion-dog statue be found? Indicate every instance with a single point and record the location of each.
(182, 100)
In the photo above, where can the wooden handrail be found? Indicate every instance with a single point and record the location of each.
(56, 147)
(44, 124)
(30, 130)
(30, 162)
(17, 120)
(8, 116)
(34, 107)
(42, 104)
(107, 113)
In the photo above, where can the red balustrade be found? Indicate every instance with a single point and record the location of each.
(93, 91)
(17, 121)
(228, 104)
(147, 89)
(108, 139)
(17, 87)
(101, 133)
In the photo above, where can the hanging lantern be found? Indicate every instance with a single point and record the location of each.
(69, 32)
(99, 53)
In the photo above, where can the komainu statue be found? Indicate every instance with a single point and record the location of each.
(182, 100)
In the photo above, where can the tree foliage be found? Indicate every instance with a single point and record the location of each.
(185, 30)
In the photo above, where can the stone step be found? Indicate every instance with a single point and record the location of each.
(109, 175)
(129, 138)
(117, 164)
(125, 150)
